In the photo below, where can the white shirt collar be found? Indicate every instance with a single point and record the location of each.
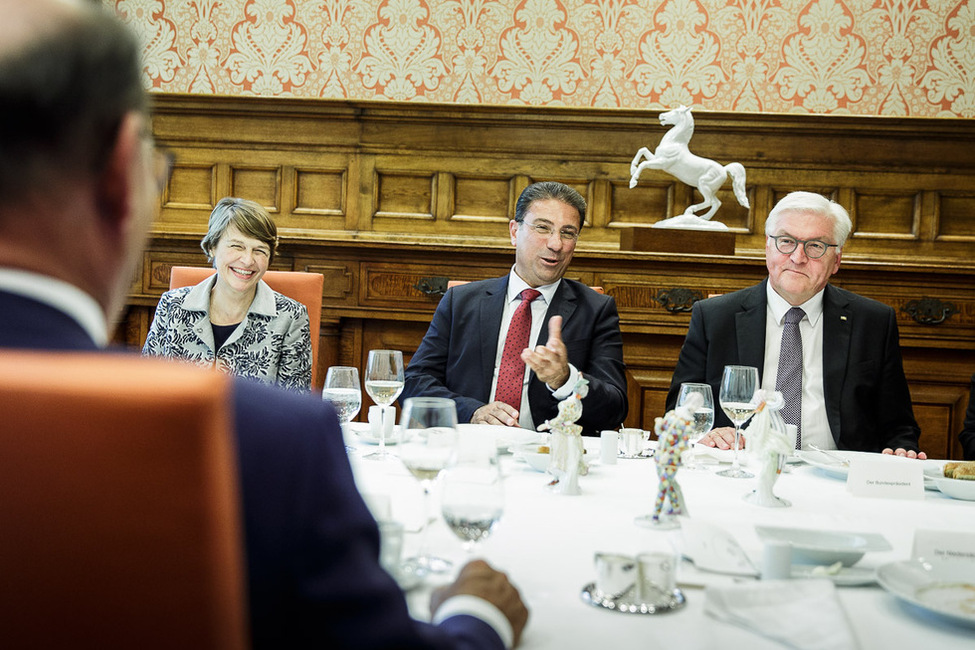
(779, 305)
(60, 295)
(516, 285)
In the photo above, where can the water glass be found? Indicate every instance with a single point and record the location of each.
(472, 494)
(343, 392)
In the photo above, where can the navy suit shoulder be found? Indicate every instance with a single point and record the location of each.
(312, 547)
(27, 323)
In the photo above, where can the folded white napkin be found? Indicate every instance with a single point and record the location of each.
(803, 614)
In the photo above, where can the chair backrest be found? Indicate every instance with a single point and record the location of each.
(306, 288)
(457, 283)
(119, 516)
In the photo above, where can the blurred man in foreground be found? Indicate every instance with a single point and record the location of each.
(843, 367)
(79, 177)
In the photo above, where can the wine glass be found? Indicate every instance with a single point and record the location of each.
(703, 416)
(737, 397)
(429, 427)
(343, 391)
(472, 494)
(384, 383)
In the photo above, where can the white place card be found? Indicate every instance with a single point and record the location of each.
(886, 477)
(944, 546)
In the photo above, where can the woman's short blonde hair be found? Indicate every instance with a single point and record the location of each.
(248, 217)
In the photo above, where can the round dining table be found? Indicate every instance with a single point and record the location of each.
(546, 543)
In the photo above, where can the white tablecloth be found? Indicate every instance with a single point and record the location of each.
(546, 541)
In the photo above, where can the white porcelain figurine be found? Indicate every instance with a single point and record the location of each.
(770, 445)
(566, 462)
(674, 157)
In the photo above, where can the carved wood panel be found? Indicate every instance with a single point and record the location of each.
(390, 201)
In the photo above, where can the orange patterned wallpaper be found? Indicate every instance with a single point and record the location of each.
(864, 57)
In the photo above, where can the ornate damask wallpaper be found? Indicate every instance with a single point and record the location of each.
(864, 57)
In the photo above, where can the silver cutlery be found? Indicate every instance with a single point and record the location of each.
(839, 459)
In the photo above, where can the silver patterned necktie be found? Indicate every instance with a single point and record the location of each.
(788, 380)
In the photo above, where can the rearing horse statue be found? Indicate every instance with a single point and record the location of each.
(673, 157)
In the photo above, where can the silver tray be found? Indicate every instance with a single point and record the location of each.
(628, 605)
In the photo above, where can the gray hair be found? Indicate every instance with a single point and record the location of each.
(248, 217)
(63, 95)
(816, 204)
(550, 190)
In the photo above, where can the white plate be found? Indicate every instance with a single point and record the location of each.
(720, 455)
(727, 455)
(504, 437)
(946, 588)
(830, 464)
(956, 488)
(848, 576)
(365, 435)
(824, 546)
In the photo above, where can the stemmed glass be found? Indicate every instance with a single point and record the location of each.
(738, 401)
(429, 427)
(343, 391)
(384, 383)
(703, 416)
(472, 494)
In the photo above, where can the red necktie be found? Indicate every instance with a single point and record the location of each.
(511, 372)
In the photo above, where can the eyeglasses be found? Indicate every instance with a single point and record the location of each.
(813, 248)
(545, 230)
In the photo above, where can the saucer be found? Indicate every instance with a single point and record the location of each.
(629, 605)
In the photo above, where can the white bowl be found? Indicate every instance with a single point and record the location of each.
(956, 488)
(538, 461)
(824, 546)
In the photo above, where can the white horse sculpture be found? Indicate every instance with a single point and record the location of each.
(673, 157)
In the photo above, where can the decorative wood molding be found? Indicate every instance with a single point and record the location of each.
(389, 201)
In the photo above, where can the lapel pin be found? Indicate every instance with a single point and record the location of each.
(842, 317)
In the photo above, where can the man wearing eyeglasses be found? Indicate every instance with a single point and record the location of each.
(569, 330)
(851, 392)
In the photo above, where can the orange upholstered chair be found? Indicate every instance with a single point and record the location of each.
(457, 283)
(306, 288)
(120, 510)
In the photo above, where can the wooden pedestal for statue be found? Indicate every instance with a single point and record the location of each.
(678, 240)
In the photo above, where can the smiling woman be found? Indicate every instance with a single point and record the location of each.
(234, 320)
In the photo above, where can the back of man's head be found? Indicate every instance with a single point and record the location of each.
(69, 72)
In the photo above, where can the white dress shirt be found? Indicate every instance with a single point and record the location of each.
(815, 425)
(539, 307)
(60, 295)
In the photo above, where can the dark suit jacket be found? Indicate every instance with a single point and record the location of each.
(868, 403)
(312, 546)
(967, 435)
(456, 358)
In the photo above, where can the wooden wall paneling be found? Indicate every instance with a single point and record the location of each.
(390, 200)
(937, 412)
(955, 216)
